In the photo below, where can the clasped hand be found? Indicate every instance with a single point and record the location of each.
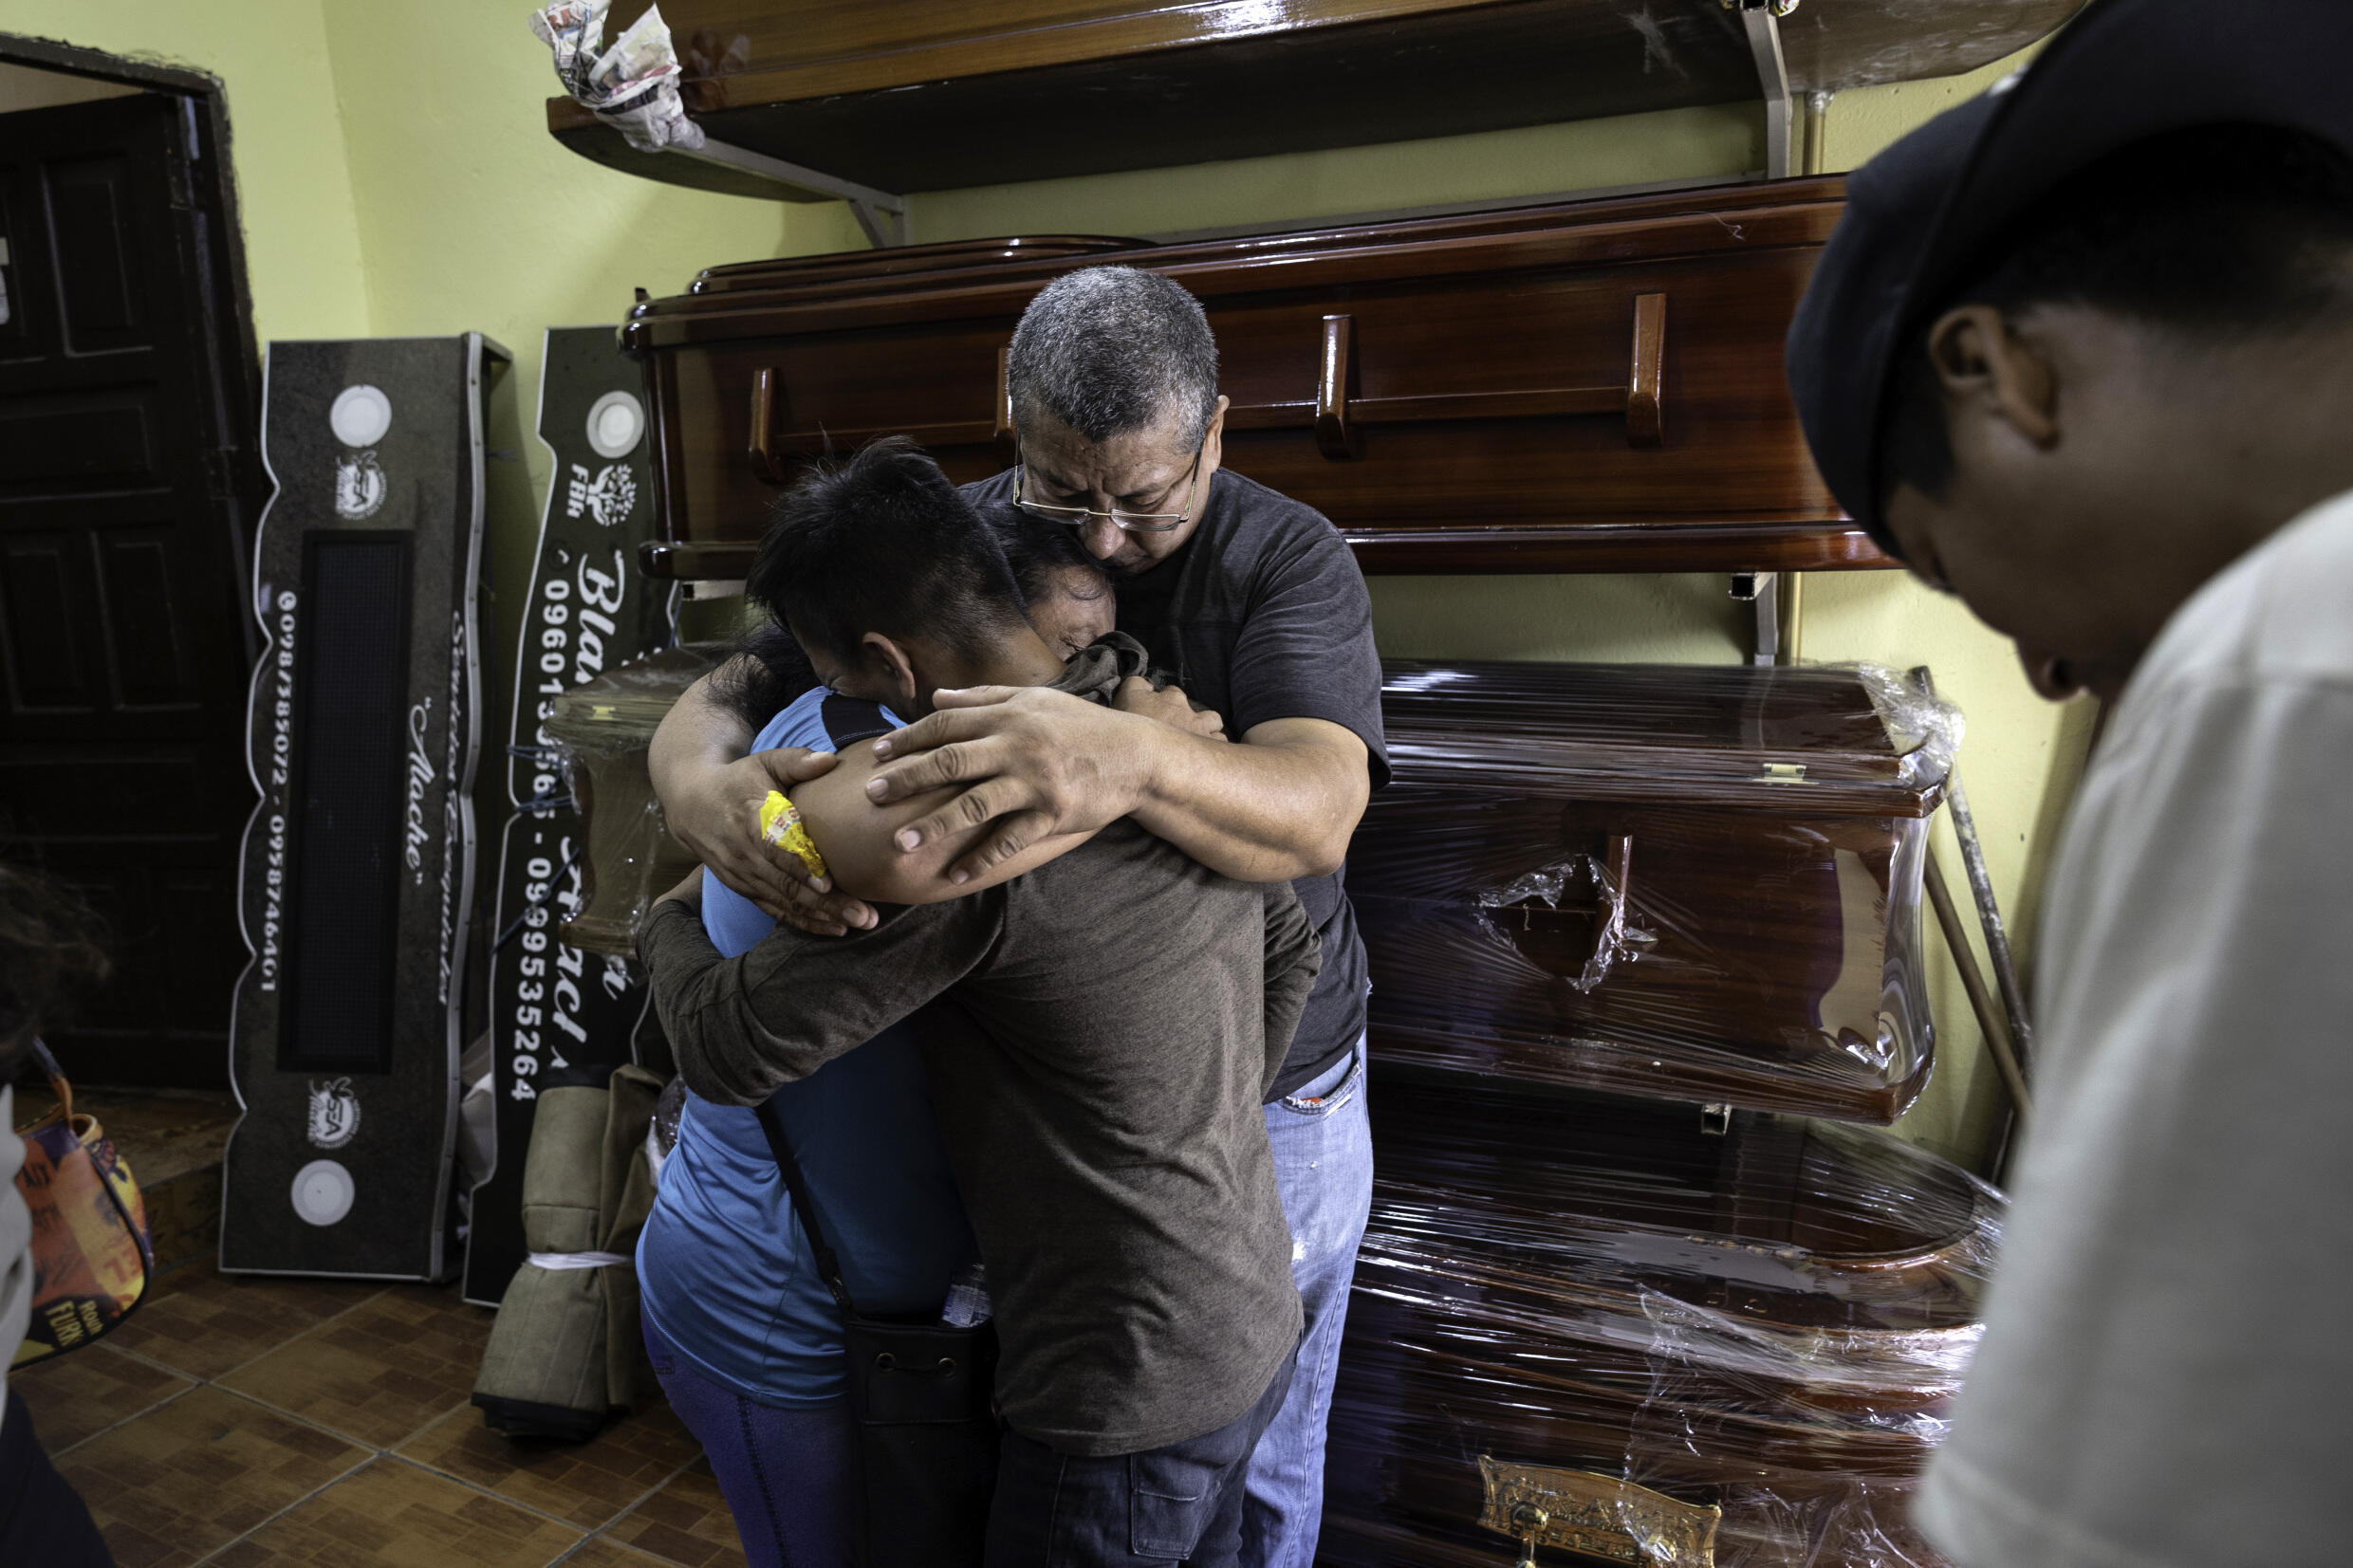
(1038, 763)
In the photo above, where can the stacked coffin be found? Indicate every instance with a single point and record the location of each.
(1573, 386)
(1687, 1328)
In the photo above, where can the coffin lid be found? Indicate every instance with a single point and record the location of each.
(789, 272)
(996, 278)
(1844, 740)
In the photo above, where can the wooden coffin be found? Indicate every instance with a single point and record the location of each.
(1579, 386)
(603, 729)
(1687, 882)
(1737, 1348)
(930, 95)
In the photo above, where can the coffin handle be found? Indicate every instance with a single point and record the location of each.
(1644, 426)
(1003, 436)
(764, 456)
(1596, 1515)
(1334, 383)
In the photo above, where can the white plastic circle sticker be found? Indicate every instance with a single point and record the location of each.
(359, 416)
(323, 1192)
(616, 424)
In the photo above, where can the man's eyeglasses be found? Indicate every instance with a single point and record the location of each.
(1077, 516)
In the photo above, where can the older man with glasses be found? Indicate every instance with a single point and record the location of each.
(1253, 603)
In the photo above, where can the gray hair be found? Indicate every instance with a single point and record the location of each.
(1113, 349)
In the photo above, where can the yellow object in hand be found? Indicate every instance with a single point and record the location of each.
(780, 825)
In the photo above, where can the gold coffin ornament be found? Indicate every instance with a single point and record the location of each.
(1597, 1515)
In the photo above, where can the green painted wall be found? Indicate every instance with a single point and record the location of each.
(293, 178)
(470, 216)
(396, 178)
(1674, 144)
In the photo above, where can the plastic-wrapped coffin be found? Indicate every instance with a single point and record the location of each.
(358, 861)
(560, 1016)
(603, 729)
(1591, 1324)
(1698, 883)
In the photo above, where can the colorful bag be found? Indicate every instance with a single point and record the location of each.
(91, 1256)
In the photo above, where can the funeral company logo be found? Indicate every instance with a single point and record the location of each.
(334, 1113)
(359, 485)
(609, 497)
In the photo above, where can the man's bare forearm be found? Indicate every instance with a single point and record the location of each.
(711, 793)
(699, 732)
(1280, 805)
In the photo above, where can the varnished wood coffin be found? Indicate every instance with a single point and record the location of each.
(1600, 1310)
(1581, 386)
(1688, 882)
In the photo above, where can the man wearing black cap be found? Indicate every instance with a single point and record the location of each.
(2082, 353)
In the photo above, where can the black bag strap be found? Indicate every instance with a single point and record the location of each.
(780, 1146)
(849, 720)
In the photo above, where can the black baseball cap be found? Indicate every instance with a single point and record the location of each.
(1927, 211)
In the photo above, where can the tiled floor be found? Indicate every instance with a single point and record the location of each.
(275, 1423)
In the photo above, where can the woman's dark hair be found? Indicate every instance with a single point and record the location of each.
(882, 543)
(2213, 231)
(767, 672)
(53, 949)
(769, 669)
(1035, 549)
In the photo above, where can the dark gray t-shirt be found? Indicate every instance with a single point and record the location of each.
(1263, 615)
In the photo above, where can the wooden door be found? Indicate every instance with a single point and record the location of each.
(124, 647)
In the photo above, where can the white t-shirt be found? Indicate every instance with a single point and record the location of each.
(15, 1243)
(2166, 1376)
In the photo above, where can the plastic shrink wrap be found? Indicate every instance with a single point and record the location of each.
(1587, 1327)
(1694, 882)
(1591, 1325)
(605, 728)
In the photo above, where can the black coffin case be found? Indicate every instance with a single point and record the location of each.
(559, 1015)
(358, 861)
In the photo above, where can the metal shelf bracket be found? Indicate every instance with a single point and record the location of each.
(1762, 591)
(1762, 18)
(880, 214)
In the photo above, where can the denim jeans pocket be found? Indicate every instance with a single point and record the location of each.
(1168, 1505)
(1333, 1091)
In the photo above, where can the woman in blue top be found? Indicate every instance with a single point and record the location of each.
(743, 1334)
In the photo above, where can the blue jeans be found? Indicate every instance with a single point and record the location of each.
(1174, 1506)
(788, 1475)
(1322, 1143)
